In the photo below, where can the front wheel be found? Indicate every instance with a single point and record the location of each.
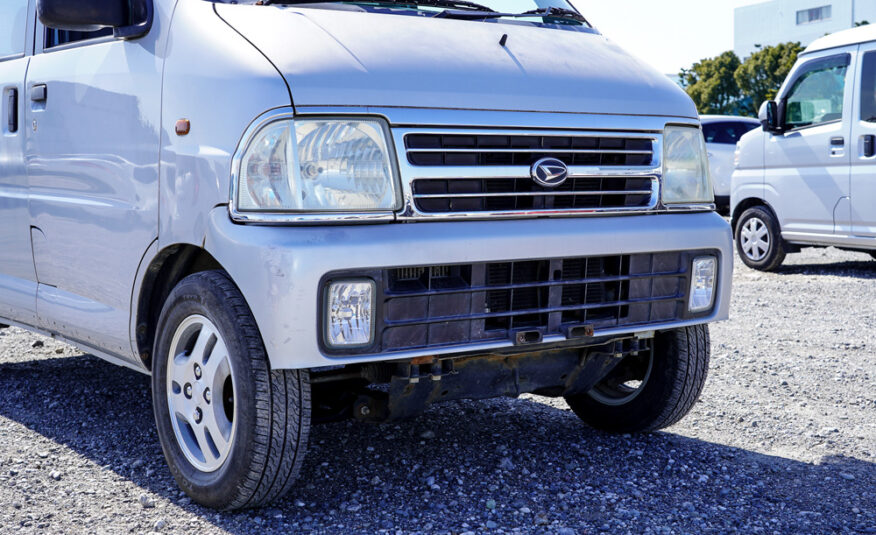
(234, 432)
(759, 239)
(651, 390)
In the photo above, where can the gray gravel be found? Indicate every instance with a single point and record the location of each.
(783, 441)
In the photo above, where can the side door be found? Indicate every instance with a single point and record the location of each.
(863, 179)
(807, 166)
(94, 112)
(17, 278)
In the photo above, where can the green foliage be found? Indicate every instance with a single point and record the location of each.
(712, 85)
(761, 75)
(724, 85)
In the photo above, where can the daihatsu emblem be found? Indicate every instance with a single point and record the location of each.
(549, 172)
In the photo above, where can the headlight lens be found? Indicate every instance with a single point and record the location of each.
(318, 165)
(685, 166)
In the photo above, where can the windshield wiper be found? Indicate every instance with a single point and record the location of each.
(548, 12)
(558, 13)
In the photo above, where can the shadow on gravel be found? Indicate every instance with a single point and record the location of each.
(859, 270)
(461, 466)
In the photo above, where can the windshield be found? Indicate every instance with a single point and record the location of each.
(552, 13)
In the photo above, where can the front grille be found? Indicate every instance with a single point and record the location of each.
(490, 149)
(523, 194)
(446, 305)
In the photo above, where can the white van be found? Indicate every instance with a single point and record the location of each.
(290, 214)
(808, 177)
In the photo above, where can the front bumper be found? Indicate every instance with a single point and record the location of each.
(279, 269)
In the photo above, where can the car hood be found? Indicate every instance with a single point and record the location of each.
(336, 57)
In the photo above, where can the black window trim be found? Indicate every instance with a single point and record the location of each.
(804, 69)
(864, 55)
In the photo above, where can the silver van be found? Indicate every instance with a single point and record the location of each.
(808, 177)
(291, 213)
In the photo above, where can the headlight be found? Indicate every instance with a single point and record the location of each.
(685, 166)
(317, 165)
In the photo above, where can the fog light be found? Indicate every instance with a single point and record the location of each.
(349, 318)
(702, 283)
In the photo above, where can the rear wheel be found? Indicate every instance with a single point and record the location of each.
(759, 239)
(652, 390)
(234, 432)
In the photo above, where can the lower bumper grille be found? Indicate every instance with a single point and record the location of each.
(446, 305)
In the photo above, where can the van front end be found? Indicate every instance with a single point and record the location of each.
(485, 280)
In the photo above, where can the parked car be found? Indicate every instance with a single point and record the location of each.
(721, 133)
(298, 213)
(806, 178)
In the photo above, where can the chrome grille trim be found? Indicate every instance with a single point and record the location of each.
(410, 173)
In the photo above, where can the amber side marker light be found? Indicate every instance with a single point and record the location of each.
(183, 126)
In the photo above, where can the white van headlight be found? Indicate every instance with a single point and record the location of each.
(685, 167)
(317, 165)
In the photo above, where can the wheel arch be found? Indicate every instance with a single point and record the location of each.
(744, 205)
(167, 268)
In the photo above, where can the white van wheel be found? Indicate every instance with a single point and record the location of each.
(759, 239)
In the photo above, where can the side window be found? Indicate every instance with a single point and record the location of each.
(726, 133)
(816, 97)
(13, 22)
(710, 132)
(62, 37)
(868, 88)
(743, 128)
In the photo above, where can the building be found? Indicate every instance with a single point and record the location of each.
(780, 21)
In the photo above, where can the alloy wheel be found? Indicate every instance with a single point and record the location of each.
(200, 393)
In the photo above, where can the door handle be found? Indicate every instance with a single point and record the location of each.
(837, 146)
(869, 146)
(12, 111)
(39, 93)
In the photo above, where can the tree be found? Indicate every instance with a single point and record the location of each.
(712, 85)
(760, 76)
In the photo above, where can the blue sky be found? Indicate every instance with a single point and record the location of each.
(668, 34)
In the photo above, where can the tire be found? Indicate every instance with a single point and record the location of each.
(873, 254)
(759, 239)
(258, 433)
(669, 388)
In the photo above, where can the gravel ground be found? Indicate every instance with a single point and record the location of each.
(782, 441)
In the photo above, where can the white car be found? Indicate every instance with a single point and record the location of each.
(807, 178)
(721, 133)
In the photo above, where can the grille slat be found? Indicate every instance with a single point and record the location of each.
(489, 149)
(447, 195)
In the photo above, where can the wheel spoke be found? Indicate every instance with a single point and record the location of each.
(218, 427)
(201, 344)
(203, 442)
(217, 363)
(181, 369)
